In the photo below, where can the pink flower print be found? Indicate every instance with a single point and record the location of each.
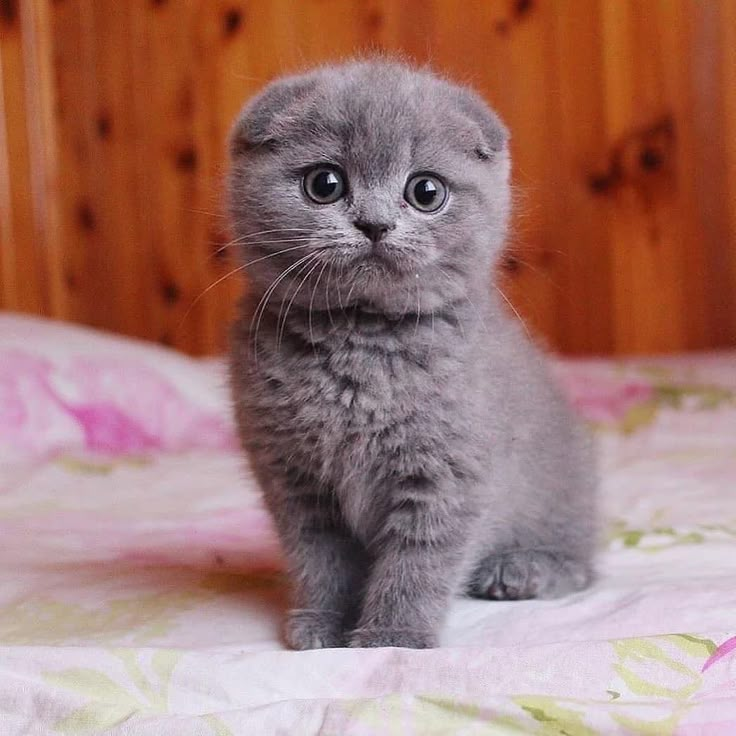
(108, 430)
(712, 708)
(103, 404)
(140, 409)
(602, 398)
(32, 422)
(724, 649)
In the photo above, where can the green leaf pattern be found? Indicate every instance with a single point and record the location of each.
(654, 683)
(670, 393)
(110, 702)
(653, 539)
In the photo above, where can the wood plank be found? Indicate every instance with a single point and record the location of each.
(647, 264)
(22, 254)
(76, 279)
(115, 116)
(724, 315)
(713, 167)
(168, 160)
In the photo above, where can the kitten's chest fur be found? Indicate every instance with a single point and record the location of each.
(338, 395)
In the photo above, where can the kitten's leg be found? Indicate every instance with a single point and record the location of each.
(415, 573)
(327, 567)
(531, 573)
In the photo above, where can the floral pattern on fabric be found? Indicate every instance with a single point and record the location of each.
(142, 587)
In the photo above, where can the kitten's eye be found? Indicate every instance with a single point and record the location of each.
(324, 184)
(426, 192)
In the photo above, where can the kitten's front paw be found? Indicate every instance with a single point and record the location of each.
(520, 574)
(407, 638)
(307, 629)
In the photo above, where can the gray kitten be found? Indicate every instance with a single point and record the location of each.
(405, 433)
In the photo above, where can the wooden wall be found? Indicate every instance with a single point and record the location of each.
(623, 113)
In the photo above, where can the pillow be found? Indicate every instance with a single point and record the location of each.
(67, 387)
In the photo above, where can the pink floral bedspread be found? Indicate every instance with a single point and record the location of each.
(141, 592)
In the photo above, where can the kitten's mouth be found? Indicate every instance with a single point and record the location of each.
(382, 257)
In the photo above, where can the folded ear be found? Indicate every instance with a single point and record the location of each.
(495, 134)
(264, 119)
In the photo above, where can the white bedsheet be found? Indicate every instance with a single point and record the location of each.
(141, 593)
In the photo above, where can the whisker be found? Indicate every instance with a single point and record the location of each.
(205, 212)
(474, 306)
(540, 272)
(286, 314)
(478, 314)
(198, 298)
(311, 305)
(299, 272)
(261, 306)
(350, 293)
(276, 230)
(327, 295)
(339, 290)
(419, 308)
(289, 232)
(233, 272)
(513, 309)
(274, 284)
(405, 308)
(454, 309)
(251, 244)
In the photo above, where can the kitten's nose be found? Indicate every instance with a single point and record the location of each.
(374, 230)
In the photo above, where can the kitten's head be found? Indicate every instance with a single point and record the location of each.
(385, 183)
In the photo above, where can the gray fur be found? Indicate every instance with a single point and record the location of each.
(405, 433)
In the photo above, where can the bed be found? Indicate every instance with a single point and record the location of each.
(141, 588)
